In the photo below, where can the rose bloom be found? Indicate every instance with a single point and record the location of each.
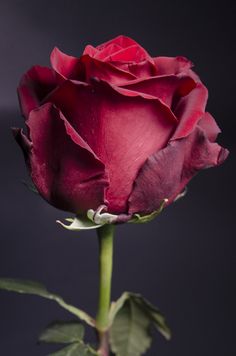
(115, 127)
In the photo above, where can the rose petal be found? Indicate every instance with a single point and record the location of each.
(172, 65)
(122, 41)
(209, 126)
(165, 87)
(90, 50)
(107, 51)
(122, 48)
(134, 53)
(63, 168)
(190, 110)
(122, 130)
(66, 66)
(34, 86)
(86, 67)
(166, 172)
(169, 115)
(193, 75)
(23, 142)
(175, 65)
(143, 69)
(94, 68)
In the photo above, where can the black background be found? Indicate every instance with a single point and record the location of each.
(184, 262)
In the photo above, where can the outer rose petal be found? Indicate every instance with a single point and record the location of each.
(34, 86)
(209, 126)
(175, 65)
(66, 66)
(190, 110)
(166, 88)
(121, 127)
(172, 65)
(23, 142)
(63, 168)
(193, 75)
(166, 172)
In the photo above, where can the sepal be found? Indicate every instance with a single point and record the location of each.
(140, 219)
(101, 218)
(79, 223)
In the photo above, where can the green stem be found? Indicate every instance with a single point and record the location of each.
(105, 237)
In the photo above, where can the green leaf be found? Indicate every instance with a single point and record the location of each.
(130, 320)
(75, 350)
(67, 333)
(21, 286)
(63, 333)
(30, 287)
(129, 335)
(155, 316)
(79, 223)
(139, 219)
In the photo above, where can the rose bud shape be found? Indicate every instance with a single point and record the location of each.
(115, 127)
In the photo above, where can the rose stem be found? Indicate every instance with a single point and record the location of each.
(105, 238)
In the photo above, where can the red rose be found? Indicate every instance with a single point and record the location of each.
(115, 127)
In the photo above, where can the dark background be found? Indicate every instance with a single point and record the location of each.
(184, 262)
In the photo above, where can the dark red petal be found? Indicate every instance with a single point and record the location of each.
(193, 75)
(166, 173)
(134, 53)
(23, 141)
(167, 112)
(94, 68)
(190, 110)
(66, 66)
(87, 67)
(122, 127)
(122, 41)
(90, 50)
(34, 86)
(164, 87)
(63, 168)
(209, 126)
(122, 48)
(144, 69)
(107, 51)
(172, 65)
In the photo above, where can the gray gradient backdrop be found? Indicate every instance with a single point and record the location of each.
(184, 262)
